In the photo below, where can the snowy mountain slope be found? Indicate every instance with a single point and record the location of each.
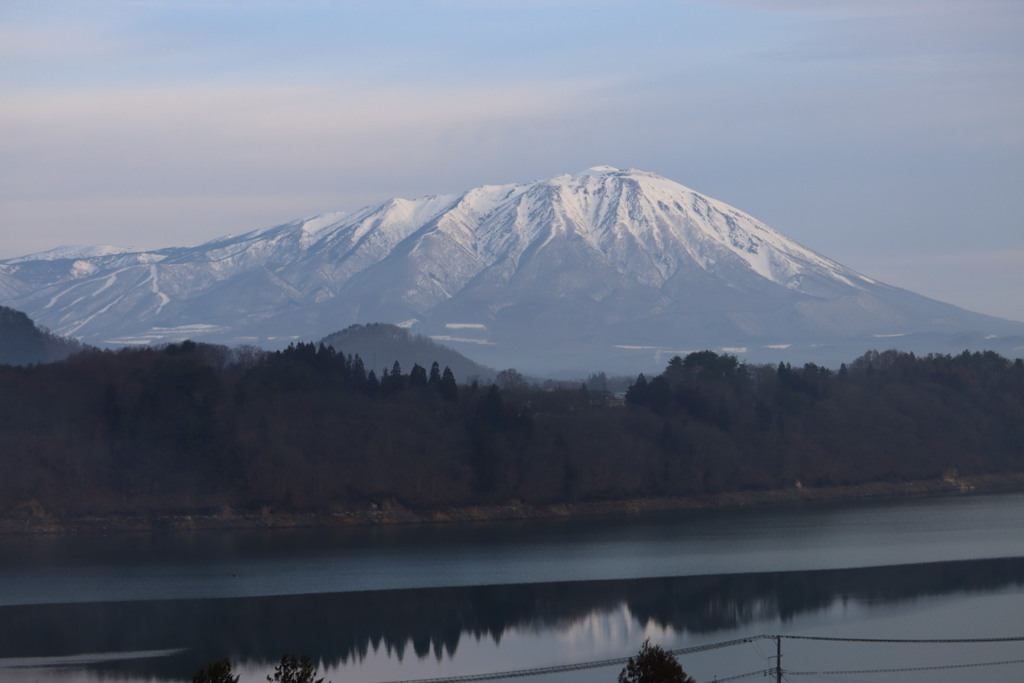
(573, 268)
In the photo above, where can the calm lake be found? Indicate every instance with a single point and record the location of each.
(388, 604)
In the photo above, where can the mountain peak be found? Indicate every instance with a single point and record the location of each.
(560, 270)
(613, 171)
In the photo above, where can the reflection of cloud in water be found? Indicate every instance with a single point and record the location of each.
(604, 633)
(592, 635)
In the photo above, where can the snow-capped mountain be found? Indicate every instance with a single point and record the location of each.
(576, 270)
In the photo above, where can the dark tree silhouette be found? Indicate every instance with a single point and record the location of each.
(637, 393)
(292, 670)
(417, 376)
(449, 389)
(653, 664)
(372, 385)
(215, 672)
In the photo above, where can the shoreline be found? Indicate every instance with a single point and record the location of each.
(36, 521)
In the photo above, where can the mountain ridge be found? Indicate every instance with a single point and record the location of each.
(380, 345)
(587, 269)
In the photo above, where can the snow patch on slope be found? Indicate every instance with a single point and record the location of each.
(581, 257)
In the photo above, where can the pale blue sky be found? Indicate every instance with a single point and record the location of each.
(888, 135)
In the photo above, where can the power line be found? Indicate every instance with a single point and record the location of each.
(595, 664)
(759, 672)
(562, 668)
(902, 669)
(716, 646)
(1010, 639)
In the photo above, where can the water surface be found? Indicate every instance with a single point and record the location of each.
(414, 602)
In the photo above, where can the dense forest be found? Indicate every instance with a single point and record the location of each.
(192, 427)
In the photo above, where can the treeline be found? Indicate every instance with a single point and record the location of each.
(194, 427)
(889, 416)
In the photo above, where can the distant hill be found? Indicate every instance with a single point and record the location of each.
(380, 345)
(22, 343)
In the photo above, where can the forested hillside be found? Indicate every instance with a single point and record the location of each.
(195, 427)
(22, 342)
(389, 343)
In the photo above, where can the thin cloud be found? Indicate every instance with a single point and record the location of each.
(110, 153)
(63, 41)
(175, 122)
(850, 8)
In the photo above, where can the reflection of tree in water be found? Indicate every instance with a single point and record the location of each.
(343, 627)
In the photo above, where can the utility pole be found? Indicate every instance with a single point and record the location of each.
(778, 659)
